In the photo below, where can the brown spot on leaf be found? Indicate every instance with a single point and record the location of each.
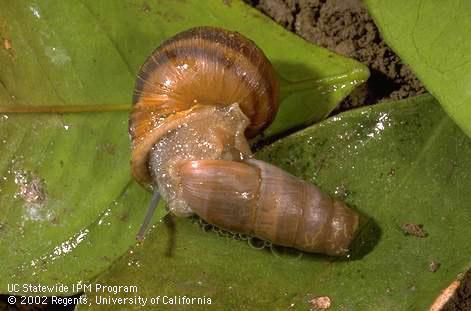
(109, 148)
(105, 149)
(123, 217)
(55, 220)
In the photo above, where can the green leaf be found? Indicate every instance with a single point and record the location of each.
(397, 163)
(69, 205)
(434, 38)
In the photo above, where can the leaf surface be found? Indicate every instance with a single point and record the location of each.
(68, 204)
(434, 38)
(397, 163)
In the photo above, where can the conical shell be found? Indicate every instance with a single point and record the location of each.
(259, 199)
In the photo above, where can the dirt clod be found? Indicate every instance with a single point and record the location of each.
(433, 266)
(414, 230)
(461, 298)
(30, 187)
(321, 303)
(146, 7)
(7, 44)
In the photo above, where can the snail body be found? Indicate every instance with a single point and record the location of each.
(198, 98)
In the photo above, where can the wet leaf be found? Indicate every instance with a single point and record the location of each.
(69, 205)
(396, 163)
(434, 38)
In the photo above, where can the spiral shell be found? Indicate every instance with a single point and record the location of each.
(259, 199)
(202, 66)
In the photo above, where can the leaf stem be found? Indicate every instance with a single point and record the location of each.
(327, 85)
(63, 108)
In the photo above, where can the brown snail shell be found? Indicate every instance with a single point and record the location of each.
(262, 200)
(198, 97)
(200, 66)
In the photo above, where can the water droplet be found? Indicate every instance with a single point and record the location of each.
(35, 10)
(57, 56)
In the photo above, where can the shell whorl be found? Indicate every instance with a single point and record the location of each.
(259, 199)
(199, 67)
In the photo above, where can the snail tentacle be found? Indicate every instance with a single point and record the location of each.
(150, 212)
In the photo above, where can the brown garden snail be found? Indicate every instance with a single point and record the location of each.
(197, 100)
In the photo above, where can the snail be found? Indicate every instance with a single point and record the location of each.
(198, 99)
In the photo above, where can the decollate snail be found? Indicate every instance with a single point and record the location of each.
(198, 98)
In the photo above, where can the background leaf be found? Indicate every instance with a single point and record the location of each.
(397, 163)
(434, 38)
(88, 52)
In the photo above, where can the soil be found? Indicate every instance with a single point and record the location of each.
(345, 27)
(462, 299)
